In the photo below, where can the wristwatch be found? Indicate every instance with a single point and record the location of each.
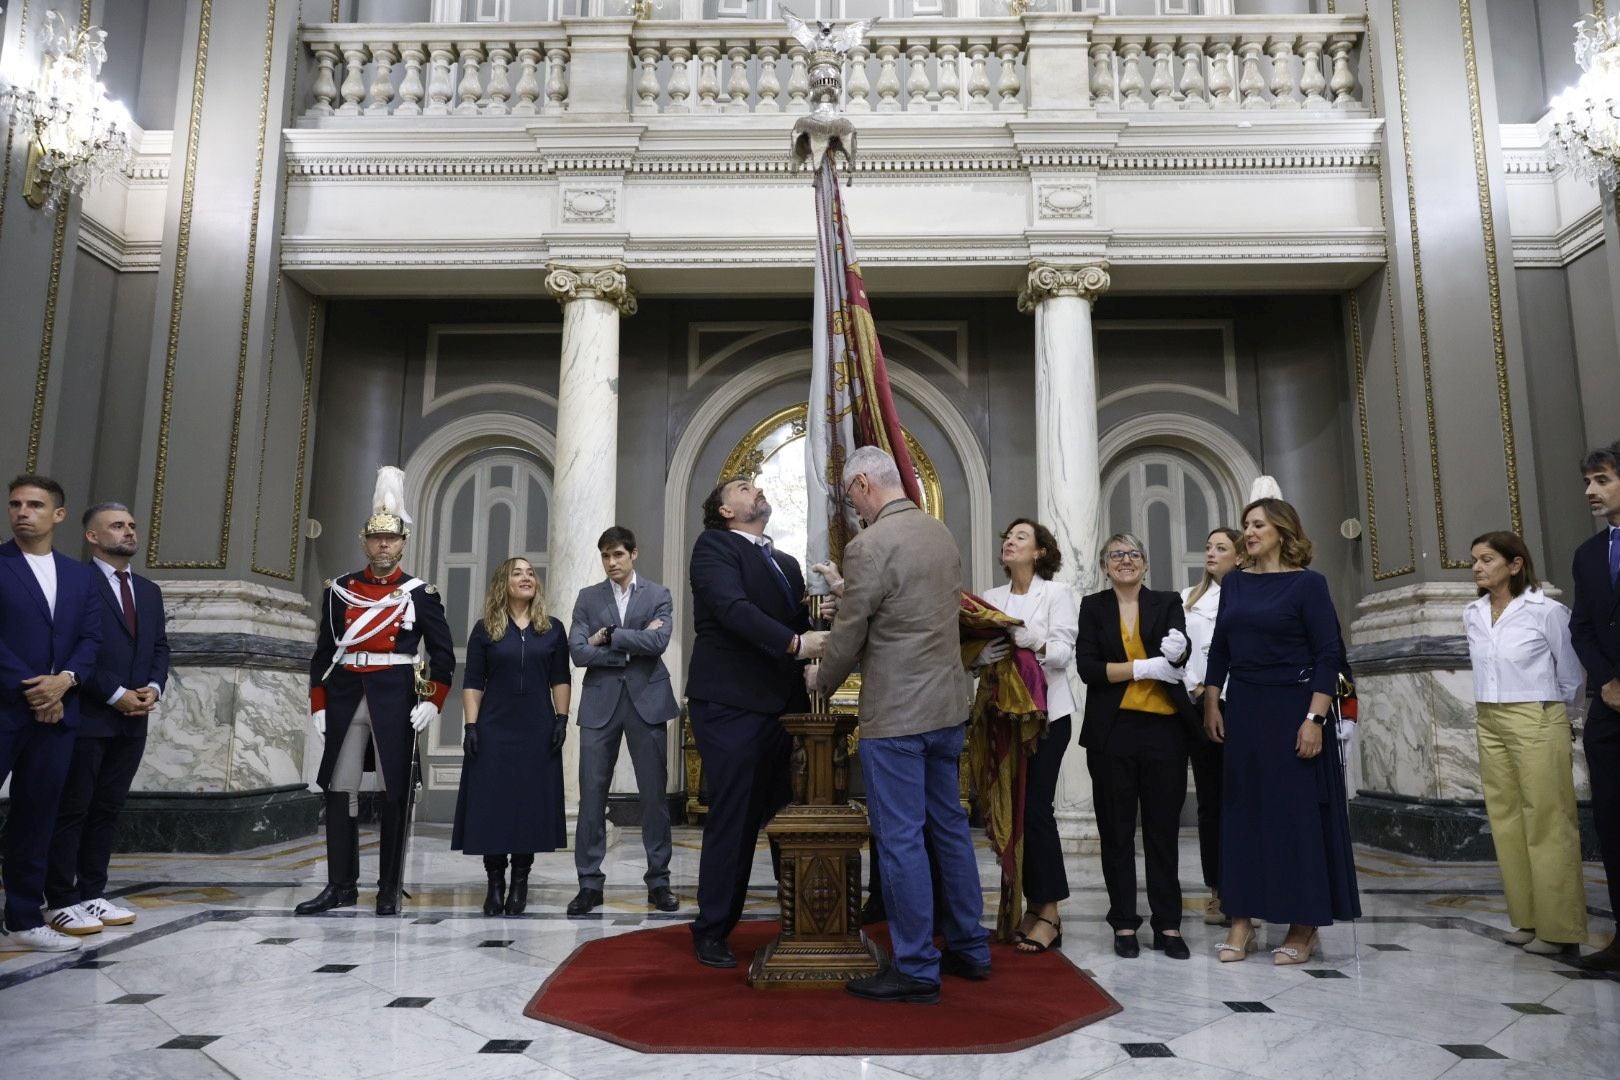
(1317, 718)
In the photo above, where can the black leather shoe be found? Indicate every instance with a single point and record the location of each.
(1172, 945)
(495, 899)
(713, 952)
(387, 899)
(1127, 946)
(874, 911)
(890, 985)
(1607, 959)
(333, 896)
(585, 901)
(663, 898)
(954, 963)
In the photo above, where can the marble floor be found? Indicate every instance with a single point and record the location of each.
(217, 979)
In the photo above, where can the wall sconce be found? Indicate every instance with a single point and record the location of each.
(78, 135)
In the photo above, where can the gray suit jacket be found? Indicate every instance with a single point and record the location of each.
(898, 617)
(633, 662)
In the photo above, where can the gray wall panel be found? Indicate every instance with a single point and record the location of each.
(1598, 358)
(123, 391)
(1556, 421)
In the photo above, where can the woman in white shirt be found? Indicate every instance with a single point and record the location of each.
(1201, 602)
(1525, 674)
(1030, 556)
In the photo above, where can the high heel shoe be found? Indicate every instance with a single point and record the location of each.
(1231, 954)
(1028, 945)
(1288, 955)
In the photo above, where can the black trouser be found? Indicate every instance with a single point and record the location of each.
(1143, 766)
(522, 862)
(1602, 743)
(745, 762)
(1206, 769)
(1045, 881)
(97, 784)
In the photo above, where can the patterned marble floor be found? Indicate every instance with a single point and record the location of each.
(217, 979)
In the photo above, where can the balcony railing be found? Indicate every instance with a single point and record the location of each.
(1272, 63)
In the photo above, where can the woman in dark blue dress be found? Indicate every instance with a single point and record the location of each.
(1285, 830)
(515, 706)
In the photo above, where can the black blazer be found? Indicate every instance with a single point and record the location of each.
(1098, 643)
(1594, 623)
(130, 662)
(745, 622)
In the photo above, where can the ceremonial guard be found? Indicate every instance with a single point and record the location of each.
(368, 690)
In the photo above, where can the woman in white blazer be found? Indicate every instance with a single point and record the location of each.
(1030, 557)
(1201, 602)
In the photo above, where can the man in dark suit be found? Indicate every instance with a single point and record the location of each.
(50, 631)
(619, 632)
(129, 678)
(1594, 629)
(753, 629)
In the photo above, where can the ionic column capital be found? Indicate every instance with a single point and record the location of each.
(1047, 280)
(610, 283)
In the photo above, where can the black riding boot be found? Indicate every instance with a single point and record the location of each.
(342, 859)
(495, 870)
(518, 898)
(390, 855)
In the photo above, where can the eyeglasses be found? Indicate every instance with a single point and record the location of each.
(1124, 556)
(849, 501)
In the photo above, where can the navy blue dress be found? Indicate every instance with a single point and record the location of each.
(1285, 829)
(511, 795)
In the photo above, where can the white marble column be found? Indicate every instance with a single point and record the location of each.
(1067, 472)
(583, 491)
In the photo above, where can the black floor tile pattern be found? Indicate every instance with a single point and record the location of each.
(1473, 1051)
(408, 1003)
(1247, 1006)
(505, 1046)
(1389, 948)
(496, 943)
(1532, 1008)
(426, 922)
(188, 1042)
(1147, 1050)
(134, 999)
(1327, 974)
(92, 965)
(277, 941)
(335, 969)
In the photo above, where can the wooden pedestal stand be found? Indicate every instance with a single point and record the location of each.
(820, 834)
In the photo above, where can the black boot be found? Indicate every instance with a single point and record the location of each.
(518, 898)
(390, 853)
(495, 870)
(342, 860)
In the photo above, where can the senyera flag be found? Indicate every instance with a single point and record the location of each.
(850, 401)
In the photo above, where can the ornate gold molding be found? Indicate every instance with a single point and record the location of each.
(610, 283)
(1047, 280)
(11, 125)
(47, 337)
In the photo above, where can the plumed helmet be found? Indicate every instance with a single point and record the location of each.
(388, 514)
(1264, 487)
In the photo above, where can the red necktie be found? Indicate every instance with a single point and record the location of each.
(128, 599)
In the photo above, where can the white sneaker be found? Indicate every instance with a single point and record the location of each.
(1520, 937)
(37, 939)
(108, 912)
(72, 919)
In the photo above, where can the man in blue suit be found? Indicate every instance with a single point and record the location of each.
(1594, 629)
(119, 695)
(50, 631)
(753, 629)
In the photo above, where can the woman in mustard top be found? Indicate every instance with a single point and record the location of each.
(1139, 723)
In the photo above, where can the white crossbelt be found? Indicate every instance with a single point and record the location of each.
(376, 659)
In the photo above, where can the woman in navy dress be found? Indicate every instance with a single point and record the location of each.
(515, 706)
(1285, 830)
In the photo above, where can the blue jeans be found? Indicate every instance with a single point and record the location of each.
(912, 788)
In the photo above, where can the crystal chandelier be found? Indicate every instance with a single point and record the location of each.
(79, 135)
(1585, 135)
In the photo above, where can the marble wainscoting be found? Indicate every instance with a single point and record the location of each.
(1419, 790)
(225, 755)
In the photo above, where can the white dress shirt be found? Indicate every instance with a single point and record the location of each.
(1200, 632)
(1526, 655)
(1051, 614)
(110, 572)
(621, 597)
(44, 568)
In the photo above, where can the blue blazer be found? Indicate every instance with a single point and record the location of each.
(130, 662)
(33, 642)
(1593, 620)
(745, 621)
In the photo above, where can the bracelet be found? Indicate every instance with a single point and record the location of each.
(793, 646)
(1317, 718)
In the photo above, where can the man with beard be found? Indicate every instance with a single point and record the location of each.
(364, 695)
(753, 629)
(129, 678)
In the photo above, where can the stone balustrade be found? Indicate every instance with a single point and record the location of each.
(1274, 63)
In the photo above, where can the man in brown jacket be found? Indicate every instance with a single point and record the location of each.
(898, 617)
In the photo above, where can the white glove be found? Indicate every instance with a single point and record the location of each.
(1025, 638)
(318, 718)
(1174, 645)
(423, 715)
(1155, 667)
(995, 652)
(1346, 729)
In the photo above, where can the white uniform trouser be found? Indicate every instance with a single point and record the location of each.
(348, 773)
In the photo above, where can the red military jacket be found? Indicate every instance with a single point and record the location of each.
(363, 615)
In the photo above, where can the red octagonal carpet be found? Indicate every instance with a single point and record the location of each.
(646, 990)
